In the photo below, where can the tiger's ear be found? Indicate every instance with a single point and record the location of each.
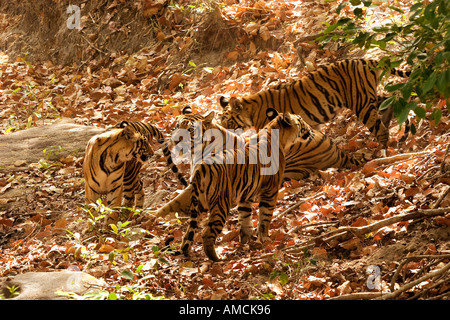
(271, 113)
(187, 110)
(121, 124)
(209, 117)
(128, 132)
(224, 101)
(236, 104)
(287, 120)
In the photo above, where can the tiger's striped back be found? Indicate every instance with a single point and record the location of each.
(317, 152)
(316, 98)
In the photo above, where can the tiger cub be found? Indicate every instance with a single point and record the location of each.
(318, 152)
(316, 97)
(133, 191)
(219, 187)
(104, 166)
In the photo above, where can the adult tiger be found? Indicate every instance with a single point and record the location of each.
(306, 156)
(104, 166)
(316, 97)
(217, 187)
(133, 191)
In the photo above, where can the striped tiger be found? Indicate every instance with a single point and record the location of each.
(104, 166)
(305, 157)
(133, 190)
(218, 187)
(316, 97)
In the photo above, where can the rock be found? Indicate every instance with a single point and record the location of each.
(20, 163)
(62, 138)
(44, 285)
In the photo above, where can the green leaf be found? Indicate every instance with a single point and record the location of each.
(429, 83)
(330, 28)
(387, 103)
(126, 274)
(420, 112)
(114, 228)
(443, 83)
(358, 12)
(406, 90)
(394, 87)
(112, 296)
(284, 278)
(396, 9)
(436, 116)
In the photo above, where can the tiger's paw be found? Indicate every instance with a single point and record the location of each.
(245, 235)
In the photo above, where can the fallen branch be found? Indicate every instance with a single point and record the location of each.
(400, 157)
(313, 224)
(359, 296)
(396, 293)
(345, 232)
(409, 259)
(298, 204)
(412, 284)
(441, 197)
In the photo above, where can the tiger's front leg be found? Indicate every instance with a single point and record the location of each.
(371, 118)
(133, 196)
(245, 221)
(266, 207)
(114, 202)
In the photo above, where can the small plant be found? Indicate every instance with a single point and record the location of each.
(48, 152)
(96, 212)
(14, 291)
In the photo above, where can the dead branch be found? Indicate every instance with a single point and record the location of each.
(443, 160)
(394, 294)
(409, 259)
(298, 204)
(400, 157)
(441, 197)
(358, 296)
(313, 225)
(412, 284)
(345, 232)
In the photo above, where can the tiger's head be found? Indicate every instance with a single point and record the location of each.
(187, 119)
(141, 148)
(293, 127)
(236, 113)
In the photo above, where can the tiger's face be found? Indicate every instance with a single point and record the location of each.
(234, 114)
(137, 142)
(143, 151)
(294, 128)
(188, 121)
(140, 143)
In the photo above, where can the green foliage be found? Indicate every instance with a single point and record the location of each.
(422, 40)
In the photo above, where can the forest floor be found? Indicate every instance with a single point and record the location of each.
(375, 229)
